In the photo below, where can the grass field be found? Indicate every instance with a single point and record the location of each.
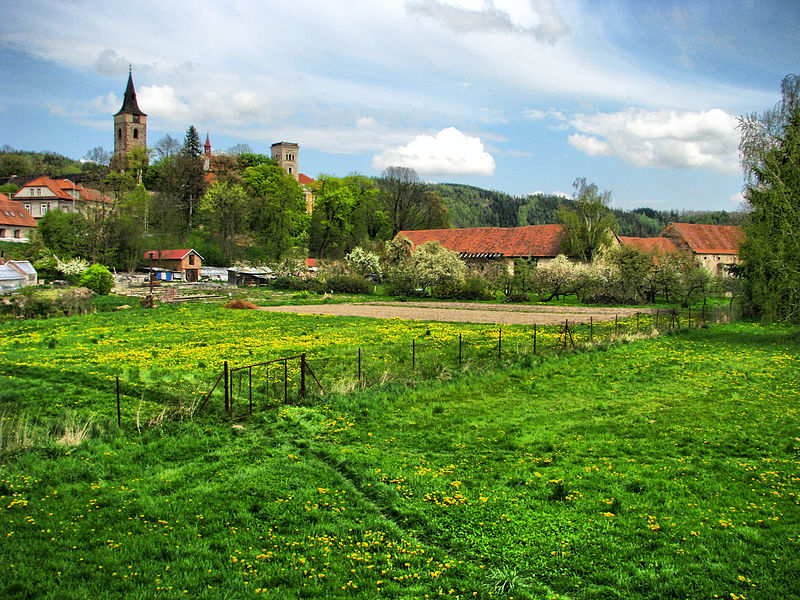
(664, 468)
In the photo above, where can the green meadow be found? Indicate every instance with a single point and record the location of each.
(660, 467)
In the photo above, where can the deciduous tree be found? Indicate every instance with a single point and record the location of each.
(589, 227)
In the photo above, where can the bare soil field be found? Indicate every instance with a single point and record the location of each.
(465, 312)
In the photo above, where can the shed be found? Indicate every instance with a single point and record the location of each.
(249, 275)
(10, 279)
(187, 261)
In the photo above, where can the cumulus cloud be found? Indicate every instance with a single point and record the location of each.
(661, 139)
(449, 152)
(538, 18)
(161, 101)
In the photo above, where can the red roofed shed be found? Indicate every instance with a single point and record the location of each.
(187, 262)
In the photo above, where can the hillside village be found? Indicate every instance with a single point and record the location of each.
(319, 214)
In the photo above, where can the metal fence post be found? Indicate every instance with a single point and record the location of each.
(459, 350)
(302, 376)
(251, 389)
(413, 356)
(119, 413)
(359, 367)
(500, 344)
(227, 388)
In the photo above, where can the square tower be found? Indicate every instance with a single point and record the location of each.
(285, 153)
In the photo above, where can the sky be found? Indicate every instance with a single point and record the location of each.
(640, 97)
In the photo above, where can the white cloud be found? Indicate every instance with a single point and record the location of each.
(661, 139)
(162, 102)
(537, 18)
(449, 152)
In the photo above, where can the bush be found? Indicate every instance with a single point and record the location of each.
(296, 284)
(74, 302)
(98, 279)
(349, 284)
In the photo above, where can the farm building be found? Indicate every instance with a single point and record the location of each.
(186, 263)
(716, 247)
(249, 276)
(480, 246)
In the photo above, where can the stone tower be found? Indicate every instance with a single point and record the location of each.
(286, 155)
(130, 127)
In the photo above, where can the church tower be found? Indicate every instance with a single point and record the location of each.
(285, 153)
(130, 127)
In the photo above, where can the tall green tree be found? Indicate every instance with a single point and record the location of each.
(406, 202)
(589, 226)
(224, 208)
(770, 254)
(277, 217)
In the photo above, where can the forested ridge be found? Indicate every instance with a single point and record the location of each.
(471, 206)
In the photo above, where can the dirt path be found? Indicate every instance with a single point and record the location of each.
(463, 312)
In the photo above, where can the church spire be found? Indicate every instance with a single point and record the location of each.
(129, 104)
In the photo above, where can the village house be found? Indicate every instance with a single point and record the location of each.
(715, 247)
(170, 265)
(44, 194)
(480, 247)
(16, 223)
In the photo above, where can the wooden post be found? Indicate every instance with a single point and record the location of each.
(413, 356)
(656, 326)
(119, 412)
(616, 325)
(591, 328)
(459, 350)
(285, 381)
(690, 317)
(227, 388)
(637, 323)
(534, 339)
(251, 389)
(359, 367)
(500, 345)
(302, 376)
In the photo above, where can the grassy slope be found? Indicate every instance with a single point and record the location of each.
(666, 468)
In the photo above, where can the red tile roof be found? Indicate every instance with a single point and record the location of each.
(51, 184)
(13, 213)
(531, 240)
(305, 179)
(170, 254)
(707, 239)
(656, 244)
(61, 188)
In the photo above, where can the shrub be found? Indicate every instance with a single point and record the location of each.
(98, 279)
(75, 302)
(349, 284)
(297, 284)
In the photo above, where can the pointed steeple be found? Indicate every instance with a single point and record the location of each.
(129, 104)
(208, 146)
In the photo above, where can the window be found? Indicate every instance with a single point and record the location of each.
(43, 208)
(28, 207)
(136, 134)
(17, 233)
(290, 170)
(119, 133)
(191, 259)
(2, 233)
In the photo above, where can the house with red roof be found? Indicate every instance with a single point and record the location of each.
(44, 194)
(478, 246)
(716, 247)
(16, 223)
(175, 264)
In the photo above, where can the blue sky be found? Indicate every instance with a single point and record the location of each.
(522, 96)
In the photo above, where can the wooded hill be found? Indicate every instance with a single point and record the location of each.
(471, 206)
